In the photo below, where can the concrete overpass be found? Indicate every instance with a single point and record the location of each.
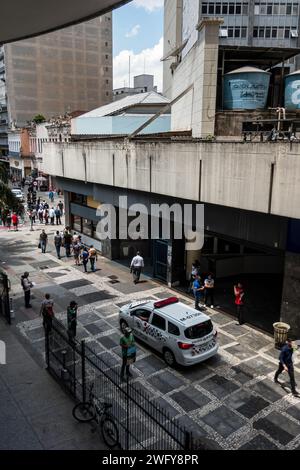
(20, 20)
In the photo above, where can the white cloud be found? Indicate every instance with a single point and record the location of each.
(147, 61)
(134, 31)
(149, 5)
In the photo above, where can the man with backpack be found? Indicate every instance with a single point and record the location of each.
(85, 258)
(47, 312)
(27, 285)
(58, 243)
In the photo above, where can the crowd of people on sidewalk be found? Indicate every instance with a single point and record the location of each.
(73, 245)
(45, 214)
(10, 219)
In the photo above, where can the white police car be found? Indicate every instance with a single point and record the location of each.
(182, 334)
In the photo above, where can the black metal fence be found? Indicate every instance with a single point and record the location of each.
(142, 423)
(4, 297)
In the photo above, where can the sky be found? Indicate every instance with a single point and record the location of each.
(138, 33)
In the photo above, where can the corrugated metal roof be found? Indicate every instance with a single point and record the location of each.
(150, 98)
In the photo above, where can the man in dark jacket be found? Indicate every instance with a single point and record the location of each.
(27, 285)
(286, 364)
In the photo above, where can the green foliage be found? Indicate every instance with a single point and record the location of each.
(39, 118)
(7, 198)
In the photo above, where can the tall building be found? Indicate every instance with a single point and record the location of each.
(59, 72)
(253, 23)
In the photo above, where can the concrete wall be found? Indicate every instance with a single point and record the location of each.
(236, 175)
(172, 39)
(196, 110)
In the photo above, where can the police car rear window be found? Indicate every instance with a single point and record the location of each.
(199, 331)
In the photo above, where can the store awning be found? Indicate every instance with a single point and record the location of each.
(27, 18)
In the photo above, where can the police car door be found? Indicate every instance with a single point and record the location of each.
(157, 332)
(140, 317)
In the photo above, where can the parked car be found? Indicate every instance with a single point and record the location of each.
(180, 333)
(18, 193)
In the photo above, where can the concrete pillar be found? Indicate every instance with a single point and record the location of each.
(191, 256)
(67, 208)
(290, 308)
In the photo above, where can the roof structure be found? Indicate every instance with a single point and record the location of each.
(24, 19)
(118, 107)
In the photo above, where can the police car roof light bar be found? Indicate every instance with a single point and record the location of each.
(165, 302)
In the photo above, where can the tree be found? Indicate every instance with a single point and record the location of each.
(39, 118)
(7, 198)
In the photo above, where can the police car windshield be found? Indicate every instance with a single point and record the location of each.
(199, 331)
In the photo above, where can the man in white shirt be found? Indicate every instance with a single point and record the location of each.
(136, 266)
(52, 215)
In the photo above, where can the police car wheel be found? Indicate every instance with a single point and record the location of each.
(169, 357)
(123, 326)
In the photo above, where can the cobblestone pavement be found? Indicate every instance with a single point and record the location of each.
(230, 398)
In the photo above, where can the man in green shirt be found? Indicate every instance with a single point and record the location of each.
(127, 344)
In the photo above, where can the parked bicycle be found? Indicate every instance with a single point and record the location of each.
(97, 410)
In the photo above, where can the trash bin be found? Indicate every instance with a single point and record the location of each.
(280, 333)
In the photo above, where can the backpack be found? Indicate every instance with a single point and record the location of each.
(93, 252)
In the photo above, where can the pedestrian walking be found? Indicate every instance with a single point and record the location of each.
(209, 289)
(8, 220)
(136, 266)
(47, 312)
(127, 344)
(197, 291)
(72, 319)
(286, 364)
(85, 258)
(51, 196)
(61, 207)
(46, 216)
(52, 215)
(57, 216)
(194, 273)
(77, 247)
(67, 242)
(93, 257)
(41, 214)
(15, 221)
(33, 215)
(27, 285)
(239, 302)
(58, 243)
(43, 241)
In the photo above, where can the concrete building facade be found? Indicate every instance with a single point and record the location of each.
(59, 72)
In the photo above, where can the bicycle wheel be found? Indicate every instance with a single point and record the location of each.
(109, 432)
(84, 412)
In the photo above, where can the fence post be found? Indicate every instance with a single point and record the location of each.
(187, 441)
(83, 372)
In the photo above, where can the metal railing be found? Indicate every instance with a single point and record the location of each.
(142, 422)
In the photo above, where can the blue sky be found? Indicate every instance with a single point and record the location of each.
(138, 31)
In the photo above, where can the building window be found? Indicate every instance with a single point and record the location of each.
(261, 32)
(231, 8)
(287, 33)
(256, 9)
(204, 8)
(230, 32)
(295, 9)
(269, 9)
(224, 9)
(77, 223)
(245, 8)
(218, 8)
(106, 56)
(280, 33)
(237, 32)
(275, 9)
(106, 44)
(289, 9)
(274, 33)
(268, 32)
(79, 199)
(211, 8)
(87, 227)
(282, 9)
(238, 8)
(244, 32)
(263, 9)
